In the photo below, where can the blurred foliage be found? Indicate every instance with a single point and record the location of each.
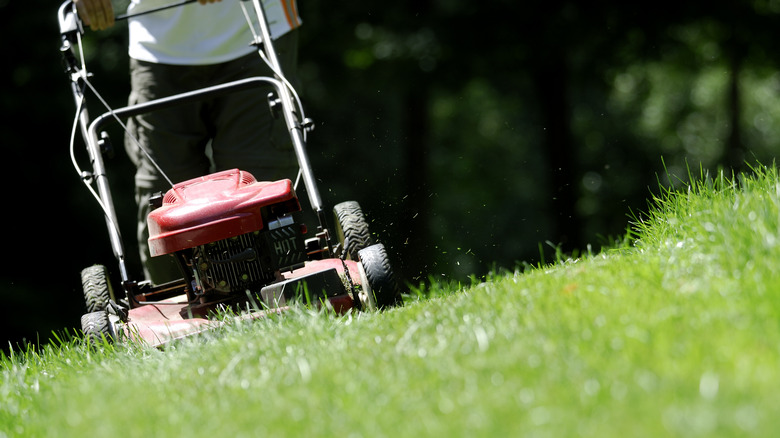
(471, 133)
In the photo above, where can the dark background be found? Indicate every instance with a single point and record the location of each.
(476, 135)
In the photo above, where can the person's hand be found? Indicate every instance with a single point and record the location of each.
(97, 14)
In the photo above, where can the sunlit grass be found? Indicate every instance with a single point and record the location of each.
(675, 335)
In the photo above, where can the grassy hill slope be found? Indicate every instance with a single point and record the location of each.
(675, 335)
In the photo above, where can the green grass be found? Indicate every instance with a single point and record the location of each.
(677, 334)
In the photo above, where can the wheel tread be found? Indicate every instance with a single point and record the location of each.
(381, 276)
(352, 228)
(96, 287)
(96, 327)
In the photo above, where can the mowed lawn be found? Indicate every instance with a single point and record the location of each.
(676, 334)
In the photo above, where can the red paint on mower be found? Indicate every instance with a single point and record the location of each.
(215, 207)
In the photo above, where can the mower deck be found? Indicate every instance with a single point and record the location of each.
(160, 322)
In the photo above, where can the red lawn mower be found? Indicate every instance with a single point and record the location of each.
(239, 242)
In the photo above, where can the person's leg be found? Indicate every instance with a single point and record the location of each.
(175, 138)
(247, 137)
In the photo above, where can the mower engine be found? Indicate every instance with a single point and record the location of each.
(248, 261)
(230, 233)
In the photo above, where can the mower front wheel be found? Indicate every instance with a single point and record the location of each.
(97, 327)
(379, 284)
(97, 288)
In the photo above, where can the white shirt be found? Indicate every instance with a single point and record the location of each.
(196, 34)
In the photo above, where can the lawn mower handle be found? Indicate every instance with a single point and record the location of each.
(150, 11)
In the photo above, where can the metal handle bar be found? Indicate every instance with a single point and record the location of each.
(158, 9)
(178, 99)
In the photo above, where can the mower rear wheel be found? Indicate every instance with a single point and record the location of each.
(97, 288)
(380, 282)
(97, 327)
(351, 229)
